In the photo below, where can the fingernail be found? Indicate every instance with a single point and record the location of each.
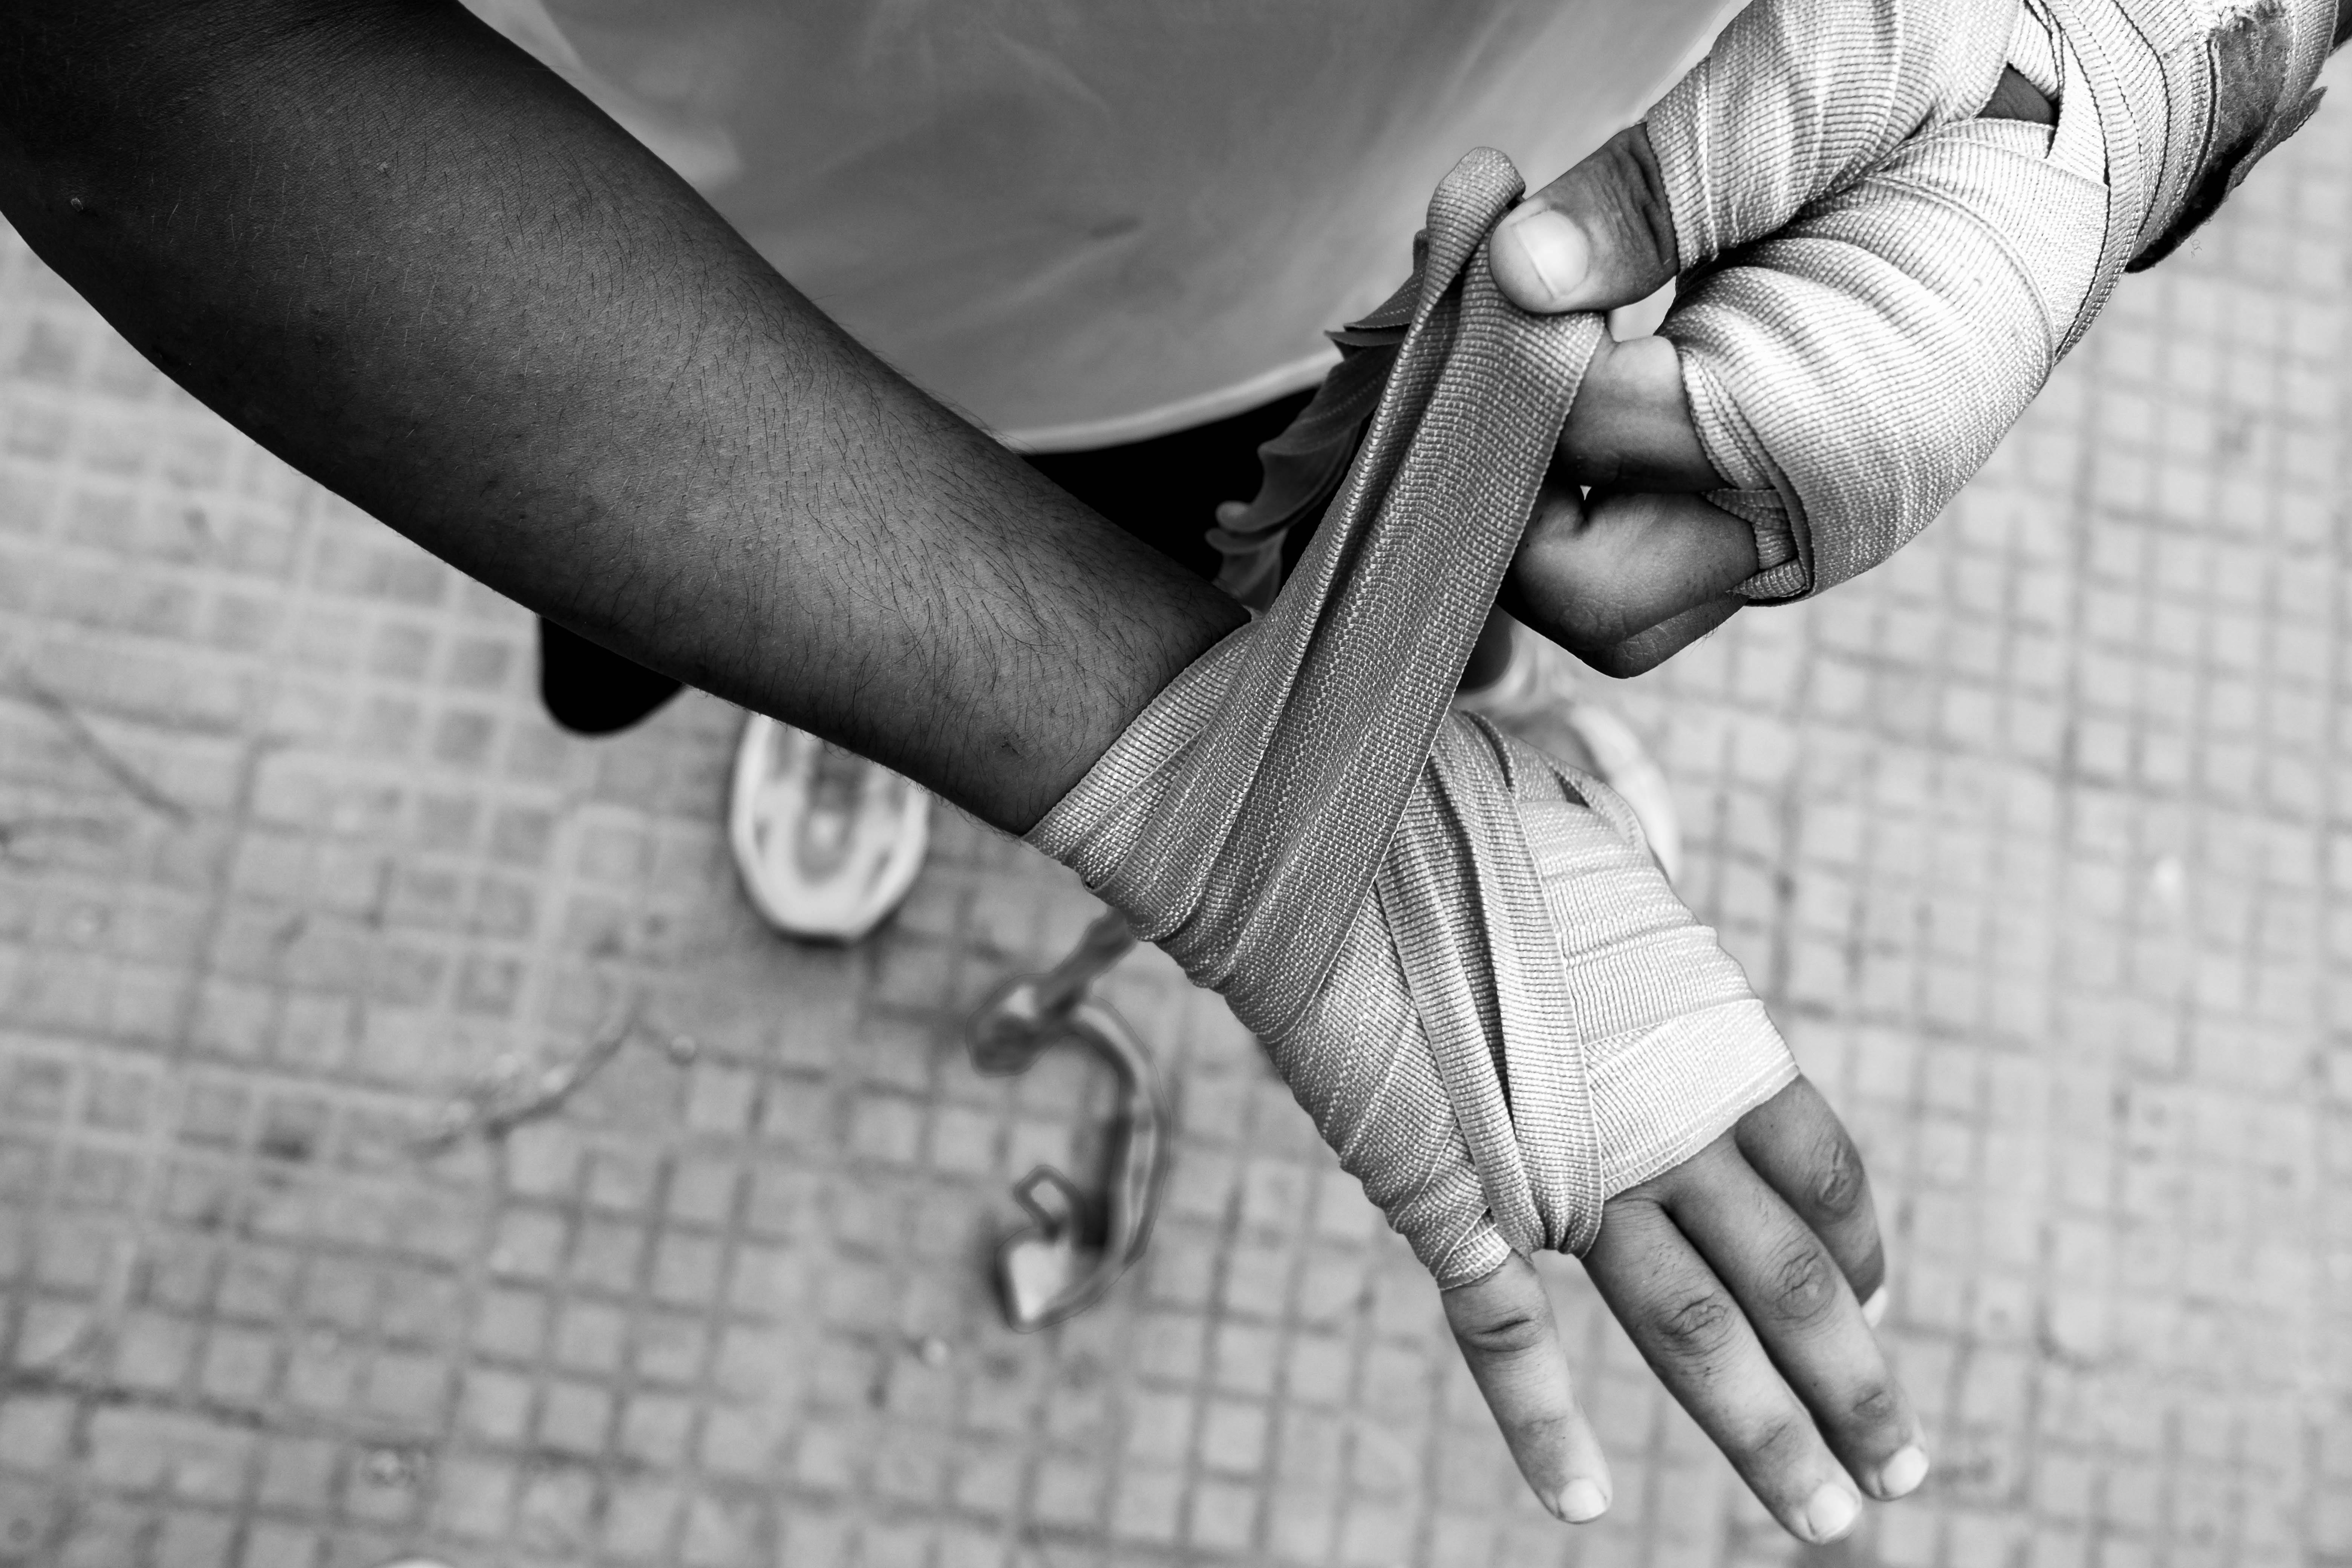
(1875, 1310)
(1831, 1513)
(1582, 1501)
(1901, 1476)
(1554, 247)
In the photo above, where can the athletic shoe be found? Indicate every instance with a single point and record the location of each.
(827, 843)
(1534, 699)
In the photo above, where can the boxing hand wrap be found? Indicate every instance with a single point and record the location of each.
(1878, 281)
(1458, 952)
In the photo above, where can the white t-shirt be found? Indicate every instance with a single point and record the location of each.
(1090, 221)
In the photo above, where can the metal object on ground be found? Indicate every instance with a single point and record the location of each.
(1081, 1242)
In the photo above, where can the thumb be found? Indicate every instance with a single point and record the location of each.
(1599, 237)
(1793, 100)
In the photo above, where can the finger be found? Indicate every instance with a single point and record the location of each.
(1592, 572)
(1596, 238)
(1630, 427)
(1799, 1303)
(1504, 1324)
(1640, 654)
(1796, 1142)
(1690, 1330)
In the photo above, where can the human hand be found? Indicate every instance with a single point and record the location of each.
(1643, 566)
(1742, 1275)
(1887, 234)
(1460, 954)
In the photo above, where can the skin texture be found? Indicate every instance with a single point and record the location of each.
(399, 253)
(411, 262)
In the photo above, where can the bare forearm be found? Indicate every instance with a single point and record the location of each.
(417, 267)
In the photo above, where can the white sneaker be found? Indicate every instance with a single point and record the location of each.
(827, 843)
(1535, 701)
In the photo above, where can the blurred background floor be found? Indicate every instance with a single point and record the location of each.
(2039, 841)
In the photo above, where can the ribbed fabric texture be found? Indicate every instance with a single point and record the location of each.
(1877, 282)
(1458, 953)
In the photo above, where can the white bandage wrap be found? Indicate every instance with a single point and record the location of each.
(1458, 953)
(1878, 281)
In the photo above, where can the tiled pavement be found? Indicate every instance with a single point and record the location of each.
(2040, 842)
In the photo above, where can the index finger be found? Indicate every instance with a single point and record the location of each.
(1508, 1336)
